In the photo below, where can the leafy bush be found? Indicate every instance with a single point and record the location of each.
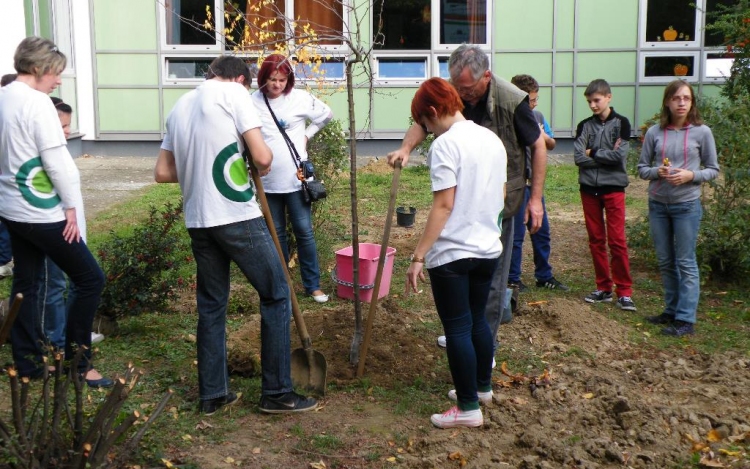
(724, 247)
(143, 268)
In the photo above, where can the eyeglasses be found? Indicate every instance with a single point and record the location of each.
(468, 90)
(534, 101)
(681, 99)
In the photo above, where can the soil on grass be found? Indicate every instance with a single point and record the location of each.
(604, 400)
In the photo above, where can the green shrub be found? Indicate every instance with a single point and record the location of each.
(143, 269)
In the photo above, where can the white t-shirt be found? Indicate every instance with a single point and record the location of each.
(204, 132)
(293, 110)
(472, 159)
(34, 188)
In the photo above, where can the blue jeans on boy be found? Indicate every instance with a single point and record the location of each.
(32, 242)
(6, 254)
(674, 230)
(52, 304)
(300, 215)
(460, 290)
(248, 243)
(540, 243)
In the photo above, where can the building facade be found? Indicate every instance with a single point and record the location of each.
(130, 61)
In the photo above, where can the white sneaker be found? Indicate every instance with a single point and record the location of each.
(458, 418)
(96, 337)
(441, 341)
(493, 363)
(320, 298)
(6, 270)
(484, 397)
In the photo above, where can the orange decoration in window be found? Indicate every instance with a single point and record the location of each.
(670, 34)
(680, 70)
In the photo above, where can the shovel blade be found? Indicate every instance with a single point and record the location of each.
(309, 370)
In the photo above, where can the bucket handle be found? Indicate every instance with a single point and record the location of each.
(349, 284)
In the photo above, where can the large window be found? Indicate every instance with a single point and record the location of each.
(249, 25)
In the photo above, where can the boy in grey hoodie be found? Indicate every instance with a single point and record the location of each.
(601, 149)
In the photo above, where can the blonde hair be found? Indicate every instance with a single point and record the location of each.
(38, 56)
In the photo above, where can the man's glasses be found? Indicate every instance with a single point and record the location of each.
(534, 101)
(468, 90)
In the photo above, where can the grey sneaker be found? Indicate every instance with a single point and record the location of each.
(287, 403)
(6, 270)
(552, 284)
(679, 329)
(598, 296)
(625, 303)
(520, 286)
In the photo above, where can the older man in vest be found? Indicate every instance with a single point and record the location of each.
(500, 106)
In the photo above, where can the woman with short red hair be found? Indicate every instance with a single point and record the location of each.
(460, 244)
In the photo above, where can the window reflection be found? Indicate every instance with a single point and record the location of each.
(405, 24)
(463, 21)
(186, 20)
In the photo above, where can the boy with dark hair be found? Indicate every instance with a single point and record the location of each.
(601, 149)
(540, 241)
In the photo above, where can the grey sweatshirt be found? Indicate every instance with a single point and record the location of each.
(602, 171)
(690, 147)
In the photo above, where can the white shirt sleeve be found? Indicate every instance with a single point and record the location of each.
(53, 161)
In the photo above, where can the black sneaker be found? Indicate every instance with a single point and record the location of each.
(519, 286)
(286, 403)
(210, 406)
(598, 296)
(663, 318)
(552, 284)
(679, 329)
(625, 303)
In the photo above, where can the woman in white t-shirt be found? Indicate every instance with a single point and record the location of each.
(281, 106)
(460, 244)
(39, 208)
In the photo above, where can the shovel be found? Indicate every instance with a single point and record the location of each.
(309, 367)
(379, 272)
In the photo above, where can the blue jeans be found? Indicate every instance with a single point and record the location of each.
(540, 243)
(32, 242)
(300, 215)
(249, 244)
(674, 230)
(52, 286)
(5, 251)
(498, 302)
(460, 289)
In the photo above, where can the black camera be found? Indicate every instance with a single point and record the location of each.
(308, 170)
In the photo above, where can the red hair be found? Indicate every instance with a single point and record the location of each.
(436, 93)
(276, 63)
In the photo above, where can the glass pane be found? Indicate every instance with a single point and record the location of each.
(443, 68)
(670, 20)
(63, 23)
(325, 17)
(330, 69)
(249, 25)
(187, 68)
(677, 66)
(463, 21)
(402, 68)
(187, 22)
(718, 65)
(405, 24)
(713, 37)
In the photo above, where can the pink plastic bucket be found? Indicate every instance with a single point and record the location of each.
(369, 254)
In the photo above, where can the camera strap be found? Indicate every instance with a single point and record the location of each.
(292, 149)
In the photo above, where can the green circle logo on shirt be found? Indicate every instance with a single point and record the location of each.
(230, 175)
(35, 186)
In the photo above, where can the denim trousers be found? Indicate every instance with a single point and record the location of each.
(460, 289)
(540, 243)
(674, 230)
(5, 250)
(52, 303)
(608, 231)
(498, 301)
(300, 215)
(249, 245)
(32, 242)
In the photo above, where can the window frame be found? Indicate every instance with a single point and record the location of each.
(693, 78)
(698, 32)
(435, 28)
(396, 80)
(70, 66)
(166, 80)
(217, 46)
(704, 58)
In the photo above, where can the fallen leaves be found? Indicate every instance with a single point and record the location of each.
(456, 456)
(545, 379)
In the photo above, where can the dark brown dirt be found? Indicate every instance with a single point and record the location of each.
(608, 400)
